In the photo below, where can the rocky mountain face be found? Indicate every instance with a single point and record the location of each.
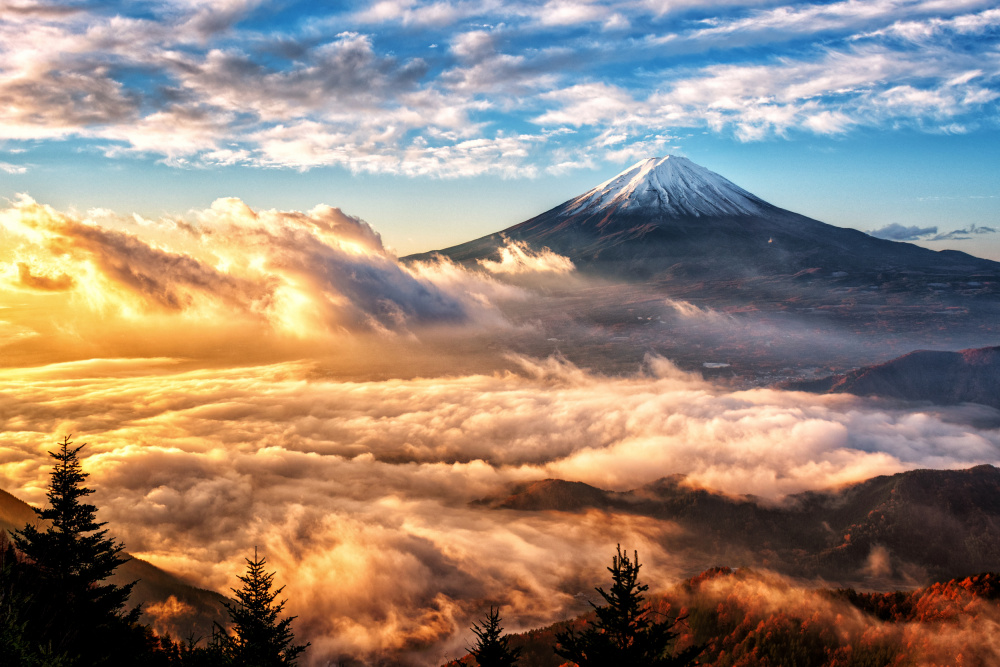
(910, 527)
(942, 377)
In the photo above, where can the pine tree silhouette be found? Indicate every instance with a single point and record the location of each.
(259, 638)
(72, 557)
(624, 632)
(492, 647)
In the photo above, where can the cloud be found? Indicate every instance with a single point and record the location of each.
(516, 258)
(361, 88)
(850, 15)
(588, 104)
(572, 12)
(897, 232)
(277, 378)
(57, 283)
(283, 278)
(411, 12)
(963, 234)
(12, 169)
(360, 492)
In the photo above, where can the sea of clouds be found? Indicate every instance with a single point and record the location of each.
(202, 360)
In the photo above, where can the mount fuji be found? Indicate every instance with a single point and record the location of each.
(673, 259)
(669, 217)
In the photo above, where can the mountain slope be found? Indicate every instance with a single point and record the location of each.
(670, 214)
(746, 617)
(946, 378)
(170, 604)
(937, 523)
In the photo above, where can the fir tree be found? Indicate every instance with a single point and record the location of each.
(71, 558)
(259, 638)
(624, 632)
(492, 647)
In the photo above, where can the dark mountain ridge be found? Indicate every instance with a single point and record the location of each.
(888, 530)
(942, 377)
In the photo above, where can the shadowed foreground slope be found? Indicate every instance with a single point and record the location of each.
(752, 618)
(170, 604)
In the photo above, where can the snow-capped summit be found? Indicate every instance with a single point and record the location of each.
(669, 186)
(672, 218)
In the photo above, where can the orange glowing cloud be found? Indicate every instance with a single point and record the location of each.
(276, 284)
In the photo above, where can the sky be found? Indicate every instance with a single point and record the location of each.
(442, 121)
(205, 206)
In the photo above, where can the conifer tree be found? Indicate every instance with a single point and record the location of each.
(492, 647)
(72, 557)
(624, 632)
(260, 638)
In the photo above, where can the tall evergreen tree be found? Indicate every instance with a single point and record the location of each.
(71, 557)
(492, 647)
(259, 638)
(624, 632)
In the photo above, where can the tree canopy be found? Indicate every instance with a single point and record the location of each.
(55, 581)
(259, 638)
(624, 632)
(492, 648)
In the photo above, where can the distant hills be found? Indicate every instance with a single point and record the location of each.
(942, 377)
(887, 531)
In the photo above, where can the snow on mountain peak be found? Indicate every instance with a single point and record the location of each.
(670, 186)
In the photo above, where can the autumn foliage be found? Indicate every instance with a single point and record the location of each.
(748, 618)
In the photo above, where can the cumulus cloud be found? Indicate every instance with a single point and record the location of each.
(360, 492)
(517, 257)
(282, 278)
(12, 169)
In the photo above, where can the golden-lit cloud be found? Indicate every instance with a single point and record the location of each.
(276, 284)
